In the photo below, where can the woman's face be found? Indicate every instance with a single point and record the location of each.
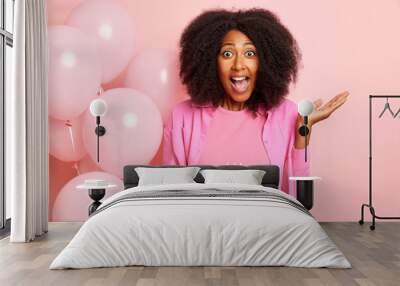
(237, 66)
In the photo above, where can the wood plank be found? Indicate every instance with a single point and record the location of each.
(375, 257)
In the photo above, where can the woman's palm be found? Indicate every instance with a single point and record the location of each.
(322, 112)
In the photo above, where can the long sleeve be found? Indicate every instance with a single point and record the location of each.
(294, 166)
(300, 167)
(173, 139)
(169, 157)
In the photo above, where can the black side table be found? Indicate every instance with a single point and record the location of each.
(96, 193)
(305, 190)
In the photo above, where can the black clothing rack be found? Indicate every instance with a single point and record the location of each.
(369, 205)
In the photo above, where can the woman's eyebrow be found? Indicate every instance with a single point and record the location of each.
(232, 44)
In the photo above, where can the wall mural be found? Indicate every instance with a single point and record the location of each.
(126, 53)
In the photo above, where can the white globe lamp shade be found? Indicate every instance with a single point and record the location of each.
(98, 107)
(305, 107)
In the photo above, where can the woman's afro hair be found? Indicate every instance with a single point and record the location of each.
(277, 51)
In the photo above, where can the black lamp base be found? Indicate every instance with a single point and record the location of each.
(100, 130)
(303, 130)
(96, 195)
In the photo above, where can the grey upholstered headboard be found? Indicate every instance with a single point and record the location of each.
(270, 179)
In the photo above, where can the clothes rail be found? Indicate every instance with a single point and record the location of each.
(370, 205)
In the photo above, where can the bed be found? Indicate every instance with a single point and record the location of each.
(201, 224)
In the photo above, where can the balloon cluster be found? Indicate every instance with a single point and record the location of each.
(93, 48)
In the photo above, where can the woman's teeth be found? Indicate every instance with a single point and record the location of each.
(238, 78)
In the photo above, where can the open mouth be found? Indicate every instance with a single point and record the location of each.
(240, 83)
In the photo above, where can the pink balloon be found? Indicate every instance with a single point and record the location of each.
(72, 204)
(133, 130)
(86, 164)
(112, 27)
(155, 72)
(66, 139)
(74, 72)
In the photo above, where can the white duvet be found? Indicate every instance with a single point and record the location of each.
(200, 231)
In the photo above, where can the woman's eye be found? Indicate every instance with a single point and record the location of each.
(250, 53)
(227, 54)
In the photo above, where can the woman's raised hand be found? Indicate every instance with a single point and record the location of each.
(322, 112)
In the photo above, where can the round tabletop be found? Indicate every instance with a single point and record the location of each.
(93, 187)
(311, 178)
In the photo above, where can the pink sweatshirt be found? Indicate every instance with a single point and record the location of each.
(240, 143)
(185, 133)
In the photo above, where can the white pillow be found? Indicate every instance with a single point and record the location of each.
(249, 177)
(163, 176)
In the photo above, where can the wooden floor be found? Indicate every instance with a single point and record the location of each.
(374, 255)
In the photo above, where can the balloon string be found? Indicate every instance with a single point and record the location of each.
(100, 91)
(76, 167)
(71, 136)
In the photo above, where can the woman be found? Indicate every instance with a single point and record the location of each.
(237, 67)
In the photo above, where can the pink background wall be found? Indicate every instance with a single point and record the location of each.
(346, 45)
